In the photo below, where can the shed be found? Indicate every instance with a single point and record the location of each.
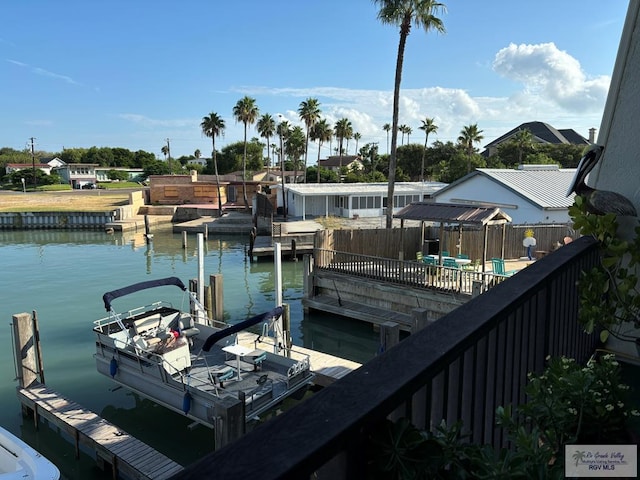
(449, 213)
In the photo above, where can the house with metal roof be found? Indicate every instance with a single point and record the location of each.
(541, 133)
(351, 200)
(530, 194)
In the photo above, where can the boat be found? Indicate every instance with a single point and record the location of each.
(210, 371)
(19, 461)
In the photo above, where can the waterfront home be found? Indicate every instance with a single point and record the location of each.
(351, 200)
(531, 194)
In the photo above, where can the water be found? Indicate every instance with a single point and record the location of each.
(62, 276)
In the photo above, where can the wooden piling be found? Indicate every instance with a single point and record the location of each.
(184, 239)
(217, 296)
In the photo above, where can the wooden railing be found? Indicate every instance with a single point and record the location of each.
(411, 273)
(461, 367)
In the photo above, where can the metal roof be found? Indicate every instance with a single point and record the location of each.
(542, 185)
(546, 188)
(452, 213)
(400, 188)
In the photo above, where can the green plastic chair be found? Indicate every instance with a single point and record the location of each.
(445, 253)
(498, 267)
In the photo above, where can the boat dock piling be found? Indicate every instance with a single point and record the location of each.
(125, 454)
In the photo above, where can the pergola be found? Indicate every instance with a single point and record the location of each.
(450, 213)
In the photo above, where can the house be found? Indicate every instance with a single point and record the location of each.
(102, 173)
(530, 194)
(77, 174)
(275, 175)
(44, 164)
(541, 133)
(350, 162)
(351, 200)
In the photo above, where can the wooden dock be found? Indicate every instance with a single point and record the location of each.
(263, 247)
(326, 368)
(128, 456)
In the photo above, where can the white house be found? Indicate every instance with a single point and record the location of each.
(351, 199)
(529, 195)
(45, 164)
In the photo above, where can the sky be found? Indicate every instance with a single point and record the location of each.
(135, 74)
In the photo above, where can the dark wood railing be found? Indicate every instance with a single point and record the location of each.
(461, 367)
(403, 272)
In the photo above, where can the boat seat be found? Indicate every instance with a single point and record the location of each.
(187, 327)
(257, 357)
(145, 345)
(223, 373)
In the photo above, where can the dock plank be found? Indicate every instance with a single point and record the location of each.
(132, 456)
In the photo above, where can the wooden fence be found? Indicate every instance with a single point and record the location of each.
(388, 242)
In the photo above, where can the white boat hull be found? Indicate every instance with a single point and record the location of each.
(19, 461)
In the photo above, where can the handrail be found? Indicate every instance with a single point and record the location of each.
(403, 272)
(460, 367)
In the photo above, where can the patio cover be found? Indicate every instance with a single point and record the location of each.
(451, 213)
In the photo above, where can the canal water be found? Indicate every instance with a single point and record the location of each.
(62, 275)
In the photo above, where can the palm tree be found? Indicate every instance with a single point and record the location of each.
(357, 137)
(165, 151)
(266, 128)
(321, 132)
(342, 129)
(197, 153)
(283, 132)
(403, 130)
(468, 136)
(387, 128)
(295, 147)
(427, 127)
(524, 141)
(404, 13)
(274, 149)
(213, 126)
(245, 111)
(309, 112)
(408, 130)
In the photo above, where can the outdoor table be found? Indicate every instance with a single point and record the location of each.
(459, 261)
(238, 351)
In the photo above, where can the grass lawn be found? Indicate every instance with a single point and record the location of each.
(63, 201)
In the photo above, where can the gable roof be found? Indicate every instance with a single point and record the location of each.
(334, 161)
(543, 133)
(543, 185)
(452, 213)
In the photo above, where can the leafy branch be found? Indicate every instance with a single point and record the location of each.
(609, 292)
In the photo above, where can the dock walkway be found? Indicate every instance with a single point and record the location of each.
(126, 454)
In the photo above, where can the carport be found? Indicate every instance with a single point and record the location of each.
(454, 214)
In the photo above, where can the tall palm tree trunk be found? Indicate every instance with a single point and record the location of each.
(215, 169)
(244, 170)
(404, 30)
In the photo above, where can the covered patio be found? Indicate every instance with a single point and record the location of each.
(454, 214)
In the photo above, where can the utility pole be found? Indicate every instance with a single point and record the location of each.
(33, 164)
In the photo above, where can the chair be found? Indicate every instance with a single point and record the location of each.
(429, 261)
(419, 256)
(462, 255)
(444, 253)
(498, 267)
(450, 262)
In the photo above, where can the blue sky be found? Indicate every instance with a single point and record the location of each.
(133, 73)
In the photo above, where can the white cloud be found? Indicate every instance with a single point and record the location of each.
(553, 75)
(152, 122)
(44, 73)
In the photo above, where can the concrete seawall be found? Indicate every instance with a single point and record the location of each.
(56, 220)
